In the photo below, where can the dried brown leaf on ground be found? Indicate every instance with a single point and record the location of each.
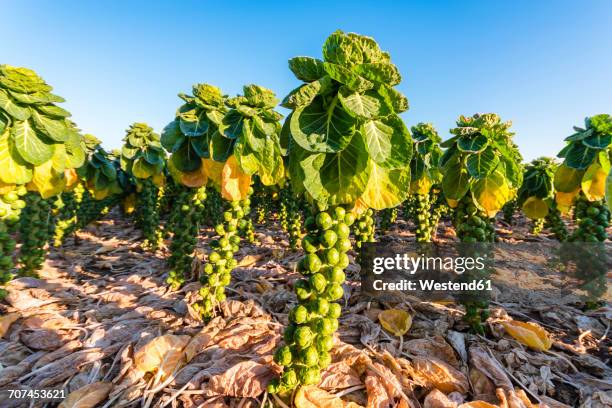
(311, 396)
(435, 347)
(6, 321)
(487, 365)
(245, 379)
(162, 354)
(203, 338)
(88, 396)
(339, 375)
(440, 375)
(437, 399)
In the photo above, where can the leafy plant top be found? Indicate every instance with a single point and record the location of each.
(195, 132)
(481, 161)
(586, 161)
(99, 172)
(142, 154)
(424, 163)
(345, 139)
(537, 190)
(37, 141)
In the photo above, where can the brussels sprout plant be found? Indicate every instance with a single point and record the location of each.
(143, 157)
(582, 177)
(39, 149)
(425, 176)
(348, 151)
(536, 197)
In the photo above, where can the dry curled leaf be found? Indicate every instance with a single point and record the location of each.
(311, 396)
(395, 321)
(437, 399)
(440, 375)
(6, 321)
(88, 396)
(529, 334)
(477, 404)
(245, 379)
(163, 353)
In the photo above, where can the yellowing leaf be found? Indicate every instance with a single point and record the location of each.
(565, 200)
(46, 181)
(72, 179)
(310, 396)
(162, 354)
(395, 321)
(194, 179)
(6, 321)
(359, 207)
(88, 396)
(609, 190)
(594, 182)
(535, 208)
(234, 182)
(567, 179)
(159, 179)
(129, 203)
(492, 192)
(452, 203)
(101, 194)
(529, 334)
(421, 186)
(213, 170)
(438, 374)
(386, 188)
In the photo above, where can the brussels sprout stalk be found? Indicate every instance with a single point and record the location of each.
(309, 337)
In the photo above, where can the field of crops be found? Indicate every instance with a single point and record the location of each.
(216, 263)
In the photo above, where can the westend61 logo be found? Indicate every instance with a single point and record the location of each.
(428, 271)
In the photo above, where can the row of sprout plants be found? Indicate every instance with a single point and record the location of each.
(340, 165)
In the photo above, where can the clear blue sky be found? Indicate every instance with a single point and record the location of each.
(545, 65)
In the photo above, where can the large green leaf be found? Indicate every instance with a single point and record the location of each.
(347, 77)
(322, 128)
(481, 164)
(394, 98)
(337, 178)
(384, 73)
(579, 135)
(579, 156)
(16, 111)
(342, 49)
(220, 147)
(55, 129)
(232, 124)
(185, 159)
(307, 69)
(388, 142)
(29, 144)
(172, 137)
(75, 153)
(473, 143)
(597, 141)
(54, 111)
(306, 93)
(386, 188)
(367, 105)
(455, 182)
(195, 127)
(14, 170)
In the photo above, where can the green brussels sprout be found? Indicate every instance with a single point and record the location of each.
(309, 376)
(334, 291)
(309, 356)
(329, 238)
(324, 221)
(289, 333)
(334, 311)
(303, 336)
(283, 356)
(324, 343)
(335, 275)
(319, 306)
(318, 282)
(289, 379)
(299, 314)
(313, 263)
(324, 359)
